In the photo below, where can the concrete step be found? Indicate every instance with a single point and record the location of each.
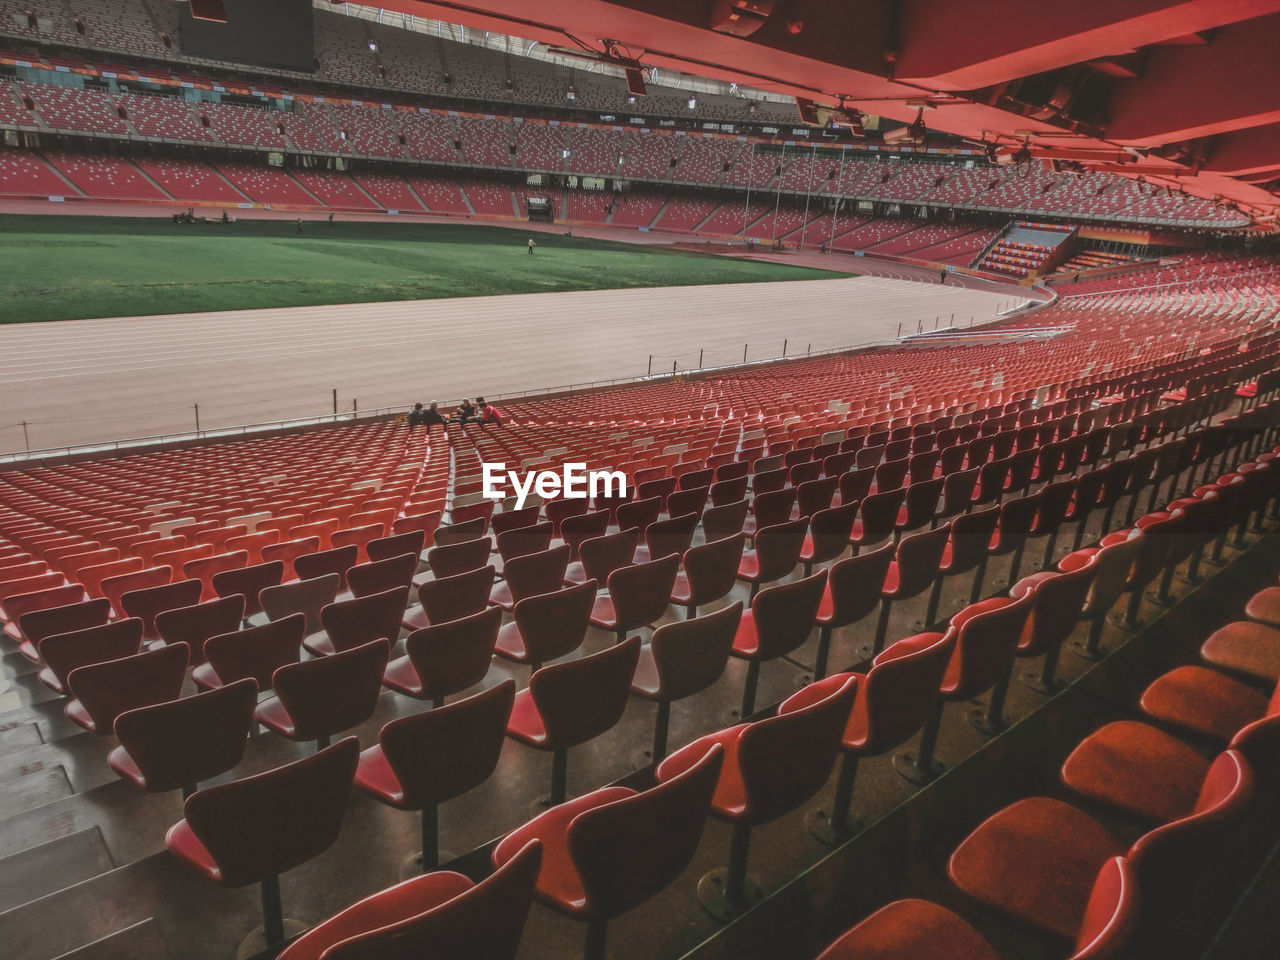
(51, 867)
(138, 942)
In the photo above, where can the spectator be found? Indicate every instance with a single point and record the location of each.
(465, 412)
(431, 416)
(490, 414)
(416, 416)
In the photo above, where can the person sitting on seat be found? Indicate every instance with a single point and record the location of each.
(431, 416)
(489, 413)
(465, 412)
(416, 416)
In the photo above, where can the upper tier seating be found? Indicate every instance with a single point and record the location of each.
(73, 108)
(163, 117)
(251, 126)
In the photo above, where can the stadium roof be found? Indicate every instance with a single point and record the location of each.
(1185, 94)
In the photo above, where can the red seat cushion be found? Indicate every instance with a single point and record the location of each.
(646, 682)
(526, 723)
(914, 929)
(1203, 701)
(382, 909)
(1138, 769)
(559, 883)
(1035, 861)
(375, 776)
(603, 613)
(729, 802)
(402, 676)
(1264, 606)
(511, 643)
(746, 642)
(123, 764)
(1252, 649)
(184, 844)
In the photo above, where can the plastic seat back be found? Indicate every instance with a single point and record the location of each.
(1017, 517)
(639, 513)
(690, 655)
(712, 568)
(814, 496)
(877, 516)
(856, 484)
(443, 753)
(450, 598)
(107, 689)
(524, 540)
(536, 573)
(601, 556)
(919, 558)
(451, 559)
(1168, 859)
(384, 548)
(178, 743)
(195, 624)
(287, 552)
(204, 568)
(768, 481)
(1058, 604)
(578, 528)
(307, 597)
(856, 585)
(1112, 569)
(450, 657)
(631, 849)
(560, 510)
(724, 519)
(64, 652)
(1111, 915)
(377, 576)
(249, 582)
(970, 539)
(784, 615)
(426, 522)
(987, 636)
(1055, 499)
(264, 825)
(39, 624)
(729, 491)
(778, 548)
(19, 605)
(784, 760)
(554, 624)
(484, 920)
(579, 700)
(256, 652)
(330, 694)
(336, 560)
(462, 530)
(900, 689)
(150, 601)
(352, 623)
(921, 504)
(641, 592)
(673, 535)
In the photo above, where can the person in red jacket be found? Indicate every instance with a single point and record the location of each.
(489, 413)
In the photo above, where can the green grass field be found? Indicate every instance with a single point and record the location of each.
(68, 268)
